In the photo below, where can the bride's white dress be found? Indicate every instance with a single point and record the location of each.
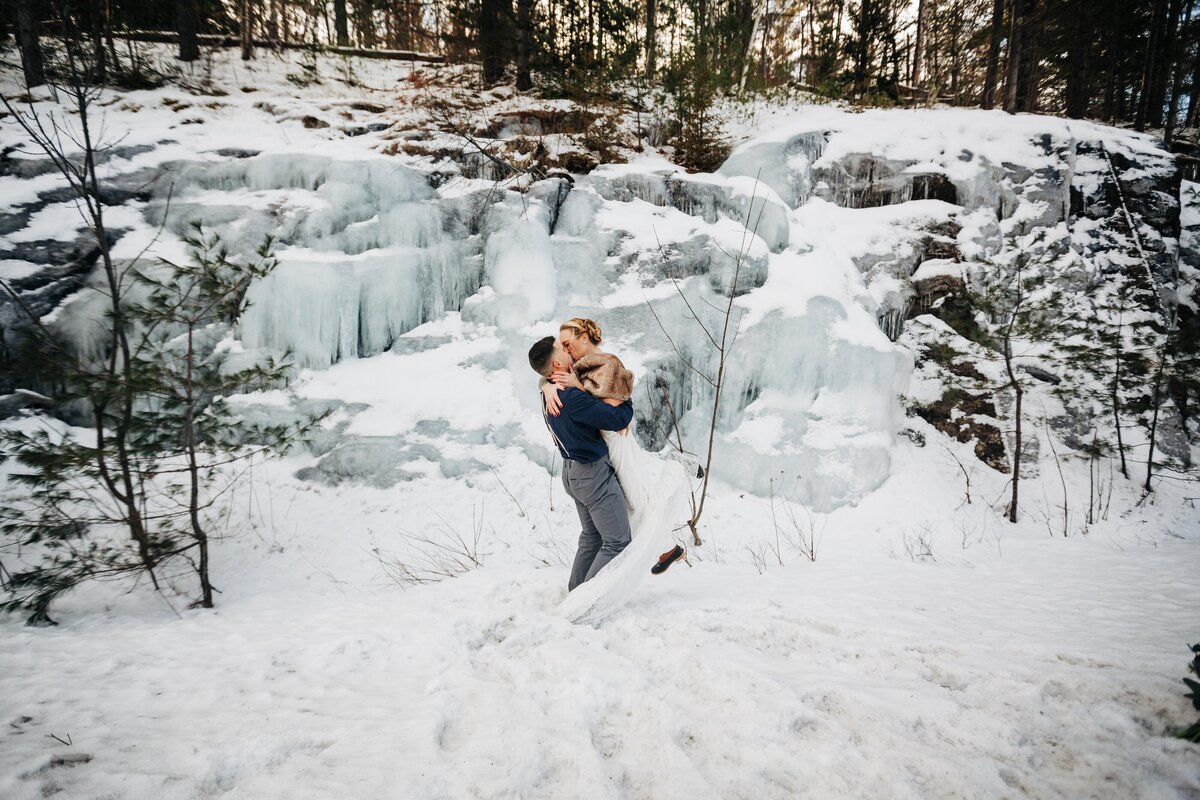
(629, 461)
(657, 504)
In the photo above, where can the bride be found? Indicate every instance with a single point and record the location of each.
(605, 377)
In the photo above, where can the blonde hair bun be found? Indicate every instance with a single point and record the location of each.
(584, 327)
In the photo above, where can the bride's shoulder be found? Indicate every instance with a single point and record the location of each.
(600, 359)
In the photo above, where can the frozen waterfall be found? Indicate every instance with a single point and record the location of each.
(823, 222)
(366, 252)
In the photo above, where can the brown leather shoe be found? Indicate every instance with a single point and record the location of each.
(667, 559)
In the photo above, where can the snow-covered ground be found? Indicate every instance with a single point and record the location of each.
(1006, 663)
(930, 650)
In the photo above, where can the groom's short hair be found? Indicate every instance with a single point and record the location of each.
(541, 356)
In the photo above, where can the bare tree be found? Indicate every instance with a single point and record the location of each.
(720, 348)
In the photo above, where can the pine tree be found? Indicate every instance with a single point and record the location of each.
(180, 438)
(1104, 357)
(1024, 308)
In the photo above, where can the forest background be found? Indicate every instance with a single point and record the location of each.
(1126, 63)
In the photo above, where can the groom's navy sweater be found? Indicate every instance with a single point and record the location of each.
(577, 427)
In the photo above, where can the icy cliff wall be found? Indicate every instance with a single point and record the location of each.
(813, 234)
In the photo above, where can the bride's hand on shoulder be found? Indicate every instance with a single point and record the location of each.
(566, 380)
(553, 404)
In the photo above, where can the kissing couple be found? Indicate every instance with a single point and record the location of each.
(586, 406)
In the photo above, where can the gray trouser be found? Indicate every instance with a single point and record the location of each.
(601, 505)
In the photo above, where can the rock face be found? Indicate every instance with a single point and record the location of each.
(1149, 186)
(967, 417)
(56, 270)
(52, 266)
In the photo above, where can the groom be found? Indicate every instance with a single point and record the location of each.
(587, 473)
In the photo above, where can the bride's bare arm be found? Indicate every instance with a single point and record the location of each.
(550, 393)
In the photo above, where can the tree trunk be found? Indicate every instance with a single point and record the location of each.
(1014, 57)
(123, 485)
(1028, 63)
(862, 43)
(187, 21)
(364, 25)
(340, 23)
(94, 17)
(198, 532)
(1116, 404)
(916, 68)
(1149, 65)
(1114, 54)
(908, 73)
(1162, 64)
(742, 44)
(493, 44)
(591, 53)
(748, 45)
(651, 37)
(993, 58)
(8, 25)
(29, 44)
(1194, 96)
(1078, 50)
(955, 51)
(1158, 375)
(766, 34)
(1016, 481)
(108, 33)
(246, 22)
(524, 43)
(1018, 393)
(1177, 67)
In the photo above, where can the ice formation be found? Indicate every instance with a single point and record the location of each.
(363, 248)
(826, 223)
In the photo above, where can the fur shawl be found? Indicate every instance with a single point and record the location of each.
(603, 375)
